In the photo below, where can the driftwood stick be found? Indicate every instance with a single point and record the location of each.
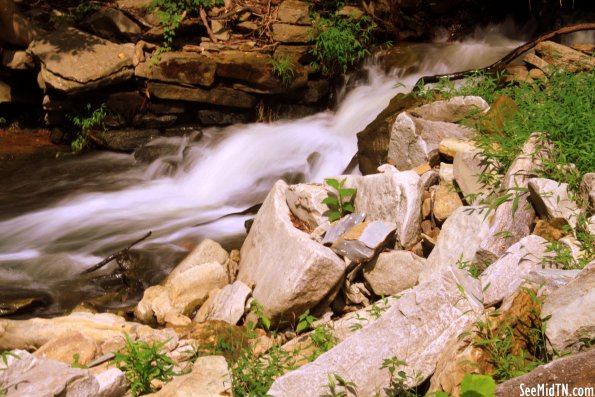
(115, 255)
(499, 65)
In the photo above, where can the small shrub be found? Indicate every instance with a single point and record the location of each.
(143, 363)
(341, 202)
(85, 122)
(398, 379)
(283, 69)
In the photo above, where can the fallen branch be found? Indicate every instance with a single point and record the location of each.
(123, 253)
(499, 65)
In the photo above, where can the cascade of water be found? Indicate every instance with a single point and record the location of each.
(224, 173)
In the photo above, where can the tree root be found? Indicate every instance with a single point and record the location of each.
(119, 256)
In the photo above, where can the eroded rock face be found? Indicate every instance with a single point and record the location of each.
(305, 202)
(415, 328)
(74, 61)
(288, 271)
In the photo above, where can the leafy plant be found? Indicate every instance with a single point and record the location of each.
(339, 42)
(340, 202)
(323, 339)
(283, 68)
(143, 363)
(398, 379)
(379, 307)
(305, 321)
(474, 385)
(258, 310)
(85, 122)
(339, 387)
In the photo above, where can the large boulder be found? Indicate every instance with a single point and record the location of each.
(572, 307)
(288, 271)
(74, 61)
(415, 328)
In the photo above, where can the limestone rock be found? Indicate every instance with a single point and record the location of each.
(290, 272)
(340, 227)
(286, 33)
(449, 147)
(505, 276)
(393, 197)
(393, 272)
(572, 308)
(412, 140)
(205, 252)
(415, 328)
(112, 24)
(573, 372)
(364, 240)
(305, 202)
(28, 376)
(295, 12)
(452, 110)
(112, 383)
(446, 201)
(446, 174)
(227, 305)
(179, 67)
(223, 96)
(459, 239)
(539, 63)
(64, 347)
(210, 377)
(564, 57)
(551, 201)
(467, 168)
(91, 61)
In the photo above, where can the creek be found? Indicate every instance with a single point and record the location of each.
(59, 218)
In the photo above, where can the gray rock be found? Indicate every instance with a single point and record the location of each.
(112, 24)
(286, 33)
(505, 276)
(179, 67)
(413, 140)
(552, 202)
(305, 202)
(205, 252)
(223, 96)
(415, 328)
(289, 272)
(467, 167)
(210, 377)
(227, 305)
(28, 376)
(393, 197)
(393, 272)
(340, 227)
(459, 239)
(572, 308)
(449, 147)
(73, 61)
(429, 179)
(452, 110)
(446, 174)
(364, 240)
(112, 383)
(587, 189)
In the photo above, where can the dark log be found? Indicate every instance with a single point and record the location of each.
(499, 65)
(116, 255)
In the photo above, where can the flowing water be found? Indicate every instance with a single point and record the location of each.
(58, 219)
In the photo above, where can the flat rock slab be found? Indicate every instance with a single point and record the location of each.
(179, 67)
(76, 61)
(452, 110)
(223, 96)
(362, 241)
(393, 272)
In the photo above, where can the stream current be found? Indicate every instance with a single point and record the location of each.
(60, 218)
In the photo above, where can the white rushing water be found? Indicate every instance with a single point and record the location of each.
(226, 172)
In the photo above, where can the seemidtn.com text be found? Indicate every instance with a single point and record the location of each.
(555, 390)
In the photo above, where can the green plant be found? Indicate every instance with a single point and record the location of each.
(305, 321)
(76, 361)
(258, 310)
(339, 387)
(473, 269)
(172, 12)
(398, 379)
(323, 340)
(143, 363)
(339, 42)
(85, 122)
(283, 69)
(340, 202)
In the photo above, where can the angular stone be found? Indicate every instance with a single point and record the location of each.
(393, 197)
(222, 96)
(286, 33)
(92, 62)
(449, 147)
(517, 73)
(539, 63)
(459, 240)
(412, 140)
(364, 240)
(572, 308)
(5, 92)
(551, 201)
(64, 347)
(179, 67)
(564, 57)
(537, 74)
(467, 168)
(573, 372)
(112, 24)
(446, 174)
(393, 272)
(446, 201)
(112, 383)
(218, 117)
(295, 53)
(452, 110)
(305, 200)
(28, 376)
(295, 12)
(17, 60)
(289, 272)
(505, 276)
(415, 328)
(210, 377)
(340, 227)
(227, 305)
(205, 252)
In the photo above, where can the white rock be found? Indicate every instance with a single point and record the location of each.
(551, 200)
(305, 202)
(452, 110)
(467, 167)
(227, 305)
(289, 272)
(571, 308)
(446, 174)
(415, 328)
(112, 383)
(413, 139)
(393, 272)
(205, 252)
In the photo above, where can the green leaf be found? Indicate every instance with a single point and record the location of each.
(348, 207)
(331, 201)
(477, 386)
(334, 215)
(333, 183)
(347, 192)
